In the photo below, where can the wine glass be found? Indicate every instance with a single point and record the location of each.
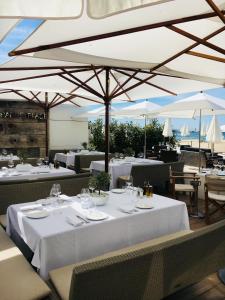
(91, 188)
(11, 163)
(4, 152)
(85, 198)
(46, 161)
(39, 162)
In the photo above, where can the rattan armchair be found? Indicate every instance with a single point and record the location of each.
(185, 182)
(214, 196)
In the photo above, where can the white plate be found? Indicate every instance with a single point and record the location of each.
(37, 214)
(118, 191)
(144, 205)
(96, 215)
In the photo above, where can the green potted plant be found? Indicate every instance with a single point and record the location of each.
(99, 184)
(84, 145)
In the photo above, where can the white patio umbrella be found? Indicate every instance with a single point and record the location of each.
(214, 134)
(167, 129)
(142, 109)
(184, 130)
(97, 112)
(197, 105)
(203, 129)
(222, 128)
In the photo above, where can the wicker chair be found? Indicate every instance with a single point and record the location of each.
(214, 196)
(179, 184)
(150, 270)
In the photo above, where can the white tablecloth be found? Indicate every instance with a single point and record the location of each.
(56, 243)
(34, 173)
(8, 157)
(68, 158)
(121, 168)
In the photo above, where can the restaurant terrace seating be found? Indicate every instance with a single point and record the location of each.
(82, 161)
(150, 270)
(18, 280)
(21, 191)
(214, 197)
(156, 175)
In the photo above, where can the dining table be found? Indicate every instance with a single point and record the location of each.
(31, 173)
(121, 167)
(68, 158)
(67, 233)
(9, 157)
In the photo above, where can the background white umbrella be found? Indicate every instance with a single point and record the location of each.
(142, 109)
(184, 130)
(197, 105)
(214, 134)
(222, 128)
(167, 129)
(98, 112)
(204, 129)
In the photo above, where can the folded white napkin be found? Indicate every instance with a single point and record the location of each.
(30, 207)
(74, 221)
(65, 197)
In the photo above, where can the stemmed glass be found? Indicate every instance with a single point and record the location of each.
(91, 188)
(4, 152)
(55, 192)
(85, 198)
(39, 162)
(11, 164)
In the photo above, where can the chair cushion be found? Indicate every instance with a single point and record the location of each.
(18, 281)
(184, 188)
(216, 196)
(3, 221)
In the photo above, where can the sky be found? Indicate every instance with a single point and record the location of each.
(25, 28)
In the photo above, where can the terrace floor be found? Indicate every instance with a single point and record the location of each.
(210, 288)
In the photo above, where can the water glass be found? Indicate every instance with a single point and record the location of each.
(11, 163)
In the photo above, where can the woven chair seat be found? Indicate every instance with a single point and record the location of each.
(216, 196)
(184, 188)
(3, 221)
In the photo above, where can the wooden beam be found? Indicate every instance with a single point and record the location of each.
(206, 56)
(99, 81)
(187, 49)
(197, 39)
(134, 86)
(118, 84)
(123, 84)
(216, 10)
(42, 76)
(114, 33)
(151, 84)
(26, 98)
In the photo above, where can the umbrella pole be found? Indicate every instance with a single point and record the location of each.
(107, 105)
(145, 142)
(199, 139)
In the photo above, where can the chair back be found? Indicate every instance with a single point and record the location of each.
(156, 175)
(149, 270)
(168, 155)
(84, 160)
(215, 183)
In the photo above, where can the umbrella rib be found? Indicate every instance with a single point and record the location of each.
(187, 49)
(206, 56)
(113, 34)
(28, 99)
(197, 39)
(151, 84)
(216, 10)
(99, 81)
(118, 84)
(84, 85)
(122, 85)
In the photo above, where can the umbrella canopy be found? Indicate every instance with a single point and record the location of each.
(222, 128)
(167, 130)
(214, 134)
(204, 129)
(184, 130)
(139, 109)
(100, 111)
(191, 106)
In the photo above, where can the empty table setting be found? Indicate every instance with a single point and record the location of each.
(68, 158)
(60, 231)
(26, 171)
(121, 167)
